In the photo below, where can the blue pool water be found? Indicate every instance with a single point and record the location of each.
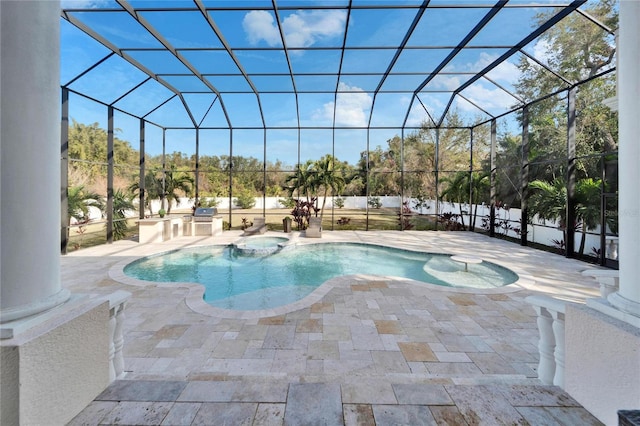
(233, 280)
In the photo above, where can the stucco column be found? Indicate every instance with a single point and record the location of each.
(627, 299)
(30, 158)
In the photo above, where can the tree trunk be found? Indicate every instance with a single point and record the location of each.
(324, 201)
(475, 215)
(582, 239)
(464, 228)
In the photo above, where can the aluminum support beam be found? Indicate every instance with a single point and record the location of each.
(524, 199)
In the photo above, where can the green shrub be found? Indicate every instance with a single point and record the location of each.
(374, 202)
(245, 200)
(338, 202)
(209, 202)
(288, 202)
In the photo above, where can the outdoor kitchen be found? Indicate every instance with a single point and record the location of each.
(204, 222)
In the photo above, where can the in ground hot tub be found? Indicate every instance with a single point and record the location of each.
(260, 245)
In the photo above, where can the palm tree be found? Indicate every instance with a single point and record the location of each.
(300, 182)
(457, 191)
(121, 203)
(175, 182)
(326, 178)
(549, 202)
(479, 189)
(79, 200)
(588, 194)
(152, 188)
(466, 187)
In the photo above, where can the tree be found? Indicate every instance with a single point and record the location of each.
(216, 178)
(326, 178)
(79, 202)
(300, 183)
(122, 202)
(152, 189)
(88, 154)
(509, 169)
(588, 194)
(175, 184)
(377, 171)
(466, 187)
(457, 191)
(326, 175)
(576, 49)
(415, 156)
(479, 192)
(549, 202)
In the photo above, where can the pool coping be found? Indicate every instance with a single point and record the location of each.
(195, 296)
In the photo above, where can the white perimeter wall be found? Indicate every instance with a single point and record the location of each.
(543, 233)
(539, 232)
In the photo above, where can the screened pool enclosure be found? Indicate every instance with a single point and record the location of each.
(445, 114)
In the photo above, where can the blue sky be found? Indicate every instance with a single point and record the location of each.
(249, 32)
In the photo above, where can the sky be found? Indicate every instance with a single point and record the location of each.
(371, 35)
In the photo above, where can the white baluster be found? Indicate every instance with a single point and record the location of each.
(117, 304)
(112, 329)
(546, 346)
(558, 332)
(609, 280)
(551, 345)
(118, 341)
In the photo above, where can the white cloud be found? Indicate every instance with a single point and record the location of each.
(405, 100)
(301, 29)
(486, 98)
(434, 103)
(417, 115)
(506, 71)
(541, 51)
(260, 25)
(352, 107)
(446, 82)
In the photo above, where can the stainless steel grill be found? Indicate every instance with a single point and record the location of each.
(204, 214)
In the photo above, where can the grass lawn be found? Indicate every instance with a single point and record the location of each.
(354, 219)
(94, 234)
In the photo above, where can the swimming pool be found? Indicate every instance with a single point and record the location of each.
(233, 280)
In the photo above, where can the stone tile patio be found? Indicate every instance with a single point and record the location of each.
(363, 350)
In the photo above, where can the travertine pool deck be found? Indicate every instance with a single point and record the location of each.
(365, 350)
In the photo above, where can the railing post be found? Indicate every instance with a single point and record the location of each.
(608, 279)
(551, 345)
(117, 304)
(558, 334)
(546, 346)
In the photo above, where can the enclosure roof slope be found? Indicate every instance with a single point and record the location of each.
(291, 64)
